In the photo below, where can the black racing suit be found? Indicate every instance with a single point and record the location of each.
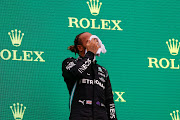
(90, 89)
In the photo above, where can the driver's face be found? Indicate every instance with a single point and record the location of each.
(85, 37)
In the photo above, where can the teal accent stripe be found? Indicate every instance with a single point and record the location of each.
(72, 94)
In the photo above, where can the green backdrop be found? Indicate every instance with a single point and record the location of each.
(132, 59)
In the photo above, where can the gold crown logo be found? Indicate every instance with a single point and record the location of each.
(15, 39)
(173, 47)
(18, 114)
(176, 117)
(94, 8)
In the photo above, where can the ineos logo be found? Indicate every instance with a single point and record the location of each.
(84, 66)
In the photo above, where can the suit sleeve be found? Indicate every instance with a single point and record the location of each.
(110, 101)
(77, 68)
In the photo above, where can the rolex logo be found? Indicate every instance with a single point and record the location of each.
(94, 6)
(16, 38)
(175, 117)
(101, 24)
(18, 114)
(173, 46)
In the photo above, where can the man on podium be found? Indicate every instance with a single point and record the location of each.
(88, 83)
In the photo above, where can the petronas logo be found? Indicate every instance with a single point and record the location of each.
(173, 46)
(16, 37)
(94, 6)
(17, 112)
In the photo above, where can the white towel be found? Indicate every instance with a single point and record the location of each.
(101, 49)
